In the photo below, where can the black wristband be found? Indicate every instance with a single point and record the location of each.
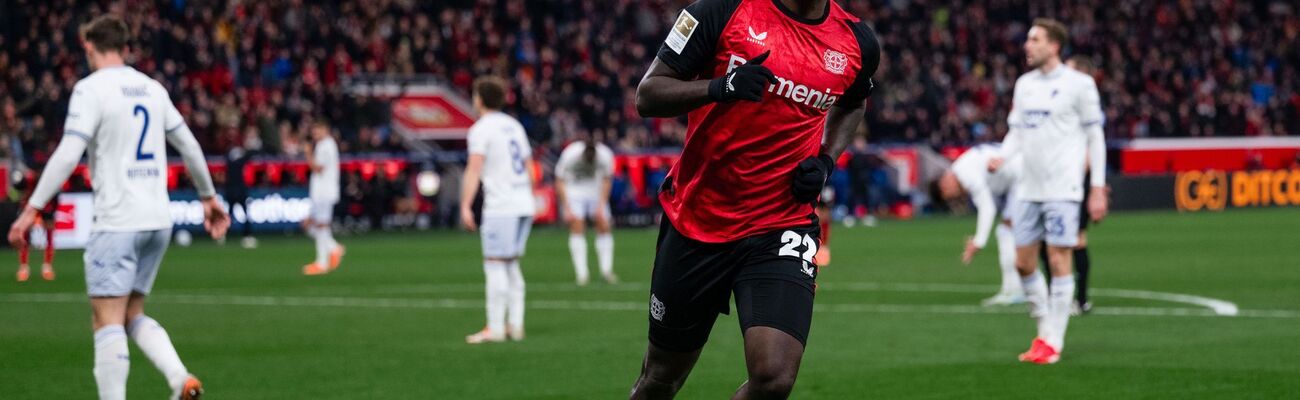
(715, 88)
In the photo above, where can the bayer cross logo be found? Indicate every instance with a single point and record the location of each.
(835, 61)
(656, 308)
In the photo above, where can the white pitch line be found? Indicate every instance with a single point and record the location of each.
(408, 303)
(1219, 307)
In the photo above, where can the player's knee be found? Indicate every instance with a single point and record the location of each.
(772, 382)
(658, 381)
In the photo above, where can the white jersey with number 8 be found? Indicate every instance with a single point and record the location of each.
(507, 185)
(124, 116)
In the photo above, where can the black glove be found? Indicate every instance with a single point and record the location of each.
(810, 177)
(746, 82)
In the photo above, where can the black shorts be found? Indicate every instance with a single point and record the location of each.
(771, 274)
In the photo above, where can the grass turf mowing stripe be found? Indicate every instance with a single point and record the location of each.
(373, 302)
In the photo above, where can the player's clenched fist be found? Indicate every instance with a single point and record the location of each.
(810, 177)
(746, 82)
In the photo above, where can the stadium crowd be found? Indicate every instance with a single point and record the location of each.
(252, 72)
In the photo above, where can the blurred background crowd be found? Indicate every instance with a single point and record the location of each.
(253, 74)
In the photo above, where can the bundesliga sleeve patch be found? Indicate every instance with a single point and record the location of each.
(681, 32)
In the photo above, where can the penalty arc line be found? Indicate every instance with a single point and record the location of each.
(1217, 306)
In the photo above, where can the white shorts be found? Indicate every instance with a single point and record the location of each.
(585, 207)
(322, 212)
(1007, 204)
(505, 237)
(118, 263)
(1055, 221)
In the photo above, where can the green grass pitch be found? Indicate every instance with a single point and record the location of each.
(898, 317)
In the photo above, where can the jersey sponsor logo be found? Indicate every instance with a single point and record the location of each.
(1034, 118)
(835, 61)
(758, 38)
(682, 31)
(788, 88)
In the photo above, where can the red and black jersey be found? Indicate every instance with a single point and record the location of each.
(734, 176)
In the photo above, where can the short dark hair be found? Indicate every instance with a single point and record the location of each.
(1056, 31)
(107, 33)
(492, 91)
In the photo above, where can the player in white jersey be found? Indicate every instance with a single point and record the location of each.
(323, 191)
(499, 156)
(992, 193)
(1055, 124)
(583, 178)
(122, 116)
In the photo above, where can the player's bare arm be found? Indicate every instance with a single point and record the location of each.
(309, 150)
(215, 219)
(664, 92)
(468, 189)
(841, 125)
(57, 170)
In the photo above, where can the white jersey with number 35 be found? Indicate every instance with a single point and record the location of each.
(1054, 120)
(124, 116)
(507, 185)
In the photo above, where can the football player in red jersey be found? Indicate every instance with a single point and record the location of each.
(773, 91)
(47, 224)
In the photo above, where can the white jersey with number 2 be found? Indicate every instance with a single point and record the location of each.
(125, 116)
(507, 185)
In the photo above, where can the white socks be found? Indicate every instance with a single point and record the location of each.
(1051, 311)
(515, 310)
(112, 362)
(1007, 259)
(605, 252)
(113, 359)
(498, 293)
(578, 251)
(1036, 296)
(324, 245)
(1058, 317)
(157, 345)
